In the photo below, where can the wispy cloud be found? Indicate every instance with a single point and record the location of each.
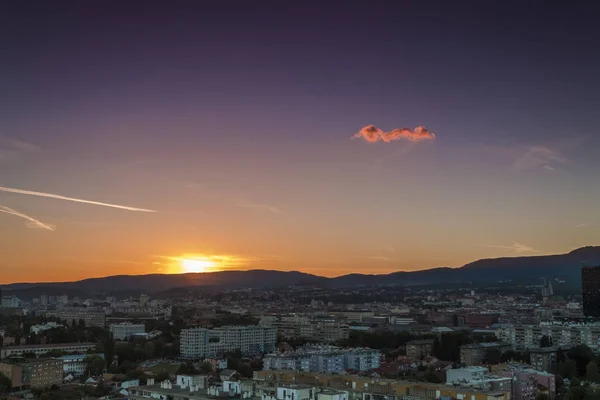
(59, 197)
(372, 134)
(516, 247)
(32, 222)
(582, 225)
(251, 204)
(539, 157)
(11, 149)
(240, 201)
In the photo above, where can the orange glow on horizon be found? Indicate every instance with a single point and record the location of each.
(194, 265)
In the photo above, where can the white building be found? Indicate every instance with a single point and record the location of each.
(522, 337)
(289, 392)
(42, 349)
(166, 390)
(467, 374)
(324, 359)
(126, 330)
(76, 364)
(186, 381)
(44, 327)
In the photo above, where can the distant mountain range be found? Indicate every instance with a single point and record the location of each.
(525, 270)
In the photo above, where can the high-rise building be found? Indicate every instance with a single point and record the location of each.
(194, 342)
(250, 340)
(34, 374)
(590, 290)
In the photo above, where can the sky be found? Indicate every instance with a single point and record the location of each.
(326, 137)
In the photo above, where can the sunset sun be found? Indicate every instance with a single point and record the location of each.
(197, 265)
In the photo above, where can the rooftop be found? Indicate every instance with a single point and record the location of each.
(175, 390)
(49, 346)
(483, 345)
(544, 350)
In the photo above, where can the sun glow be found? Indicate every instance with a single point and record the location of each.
(197, 265)
(206, 262)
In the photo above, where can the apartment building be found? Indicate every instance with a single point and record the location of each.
(126, 330)
(324, 359)
(566, 335)
(474, 354)
(91, 316)
(250, 340)
(419, 349)
(34, 374)
(194, 342)
(543, 359)
(42, 349)
(318, 328)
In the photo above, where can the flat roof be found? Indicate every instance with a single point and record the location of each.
(47, 346)
(176, 390)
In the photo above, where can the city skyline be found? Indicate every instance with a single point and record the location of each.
(368, 138)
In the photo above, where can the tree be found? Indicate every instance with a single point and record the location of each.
(94, 365)
(492, 356)
(567, 369)
(546, 341)
(162, 376)
(109, 349)
(187, 369)
(5, 384)
(206, 367)
(591, 372)
(581, 355)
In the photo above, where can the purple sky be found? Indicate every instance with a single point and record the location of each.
(233, 119)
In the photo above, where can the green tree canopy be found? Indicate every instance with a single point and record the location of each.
(591, 372)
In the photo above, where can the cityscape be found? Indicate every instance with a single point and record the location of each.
(299, 200)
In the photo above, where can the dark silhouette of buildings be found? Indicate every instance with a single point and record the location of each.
(590, 291)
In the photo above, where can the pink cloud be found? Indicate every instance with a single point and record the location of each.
(372, 134)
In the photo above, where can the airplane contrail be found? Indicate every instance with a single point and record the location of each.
(36, 222)
(59, 197)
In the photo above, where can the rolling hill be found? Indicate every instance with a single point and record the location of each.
(525, 270)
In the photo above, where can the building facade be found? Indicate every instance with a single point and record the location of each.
(34, 374)
(317, 328)
(91, 316)
(475, 354)
(76, 364)
(543, 359)
(419, 349)
(126, 330)
(565, 335)
(250, 340)
(42, 349)
(324, 359)
(194, 342)
(590, 291)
